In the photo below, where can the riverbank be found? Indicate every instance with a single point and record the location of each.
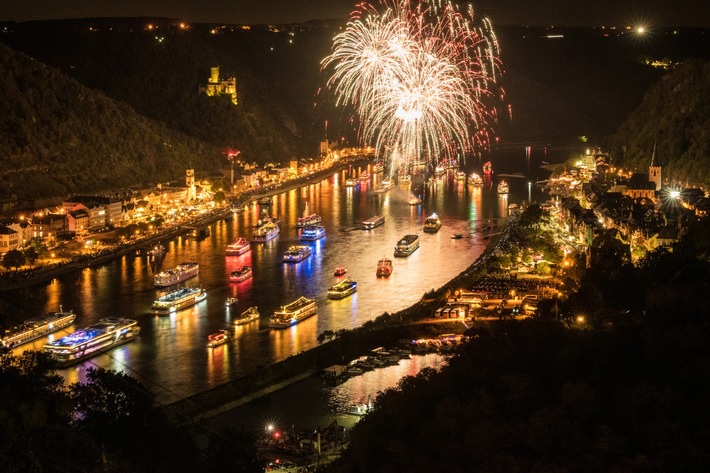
(12, 280)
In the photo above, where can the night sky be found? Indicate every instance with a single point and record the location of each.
(502, 12)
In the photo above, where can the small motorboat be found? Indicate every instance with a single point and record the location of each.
(217, 339)
(231, 302)
(340, 270)
(456, 236)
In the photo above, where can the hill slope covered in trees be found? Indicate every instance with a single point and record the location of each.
(60, 137)
(675, 119)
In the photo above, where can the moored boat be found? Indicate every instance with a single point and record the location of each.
(92, 340)
(157, 250)
(373, 222)
(218, 338)
(238, 247)
(34, 329)
(293, 313)
(384, 268)
(342, 289)
(312, 233)
(266, 232)
(177, 274)
(240, 274)
(432, 223)
(407, 245)
(297, 253)
(177, 300)
(249, 315)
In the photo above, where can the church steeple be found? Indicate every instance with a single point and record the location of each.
(654, 171)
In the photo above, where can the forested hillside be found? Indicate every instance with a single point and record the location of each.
(58, 137)
(675, 118)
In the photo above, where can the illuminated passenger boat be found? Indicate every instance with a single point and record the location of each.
(92, 340)
(218, 338)
(460, 176)
(266, 232)
(385, 185)
(414, 200)
(487, 167)
(351, 182)
(384, 268)
(308, 220)
(475, 180)
(340, 270)
(239, 247)
(407, 245)
(34, 329)
(177, 274)
(373, 222)
(292, 313)
(249, 315)
(342, 289)
(177, 300)
(313, 233)
(157, 250)
(503, 187)
(240, 274)
(297, 253)
(364, 175)
(432, 223)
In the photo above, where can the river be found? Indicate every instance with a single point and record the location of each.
(170, 356)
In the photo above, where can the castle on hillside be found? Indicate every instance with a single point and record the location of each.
(217, 86)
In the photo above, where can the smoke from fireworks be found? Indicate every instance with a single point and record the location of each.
(420, 76)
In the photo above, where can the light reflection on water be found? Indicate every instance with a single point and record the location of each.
(170, 356)
(312, 403)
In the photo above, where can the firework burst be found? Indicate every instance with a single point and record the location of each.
(420, 76)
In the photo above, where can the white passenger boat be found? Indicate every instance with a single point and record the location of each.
(297, 253)
(373, 222)
(36, 328)
(342, 289)
(351, 182)
(503, 187)
(266, 232)
(432, 223)
(460, 176)
(238, 247)
(249, 315)
(312, 233)
(177, 300)
(240, 274)
(292, 313)
(92, 340)
(177, 274)
(407, 245)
